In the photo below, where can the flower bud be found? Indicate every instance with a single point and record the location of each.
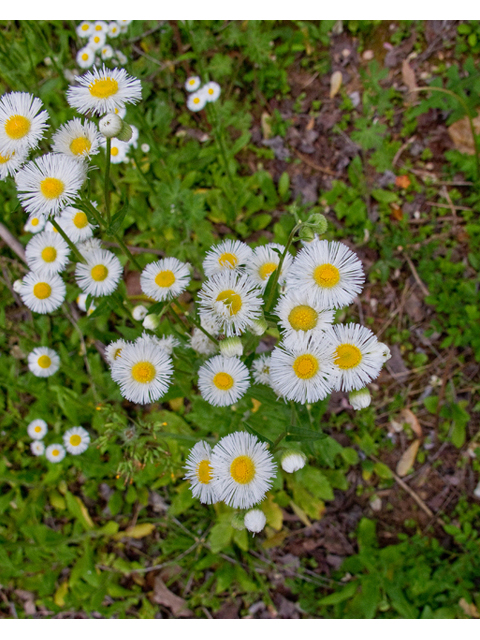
(145, 147)
(293, 461)
(237, 521)
(259, 326)
(17, 286)
(360, 399)
(231, 347)
(306, 233)
(318, 223)
(255, 520)
(125, 133)
(139, 312)
(110, 125)
(151, 322)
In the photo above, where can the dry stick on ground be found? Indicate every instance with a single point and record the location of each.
(315, 166)
(402, 149)
(422, 286)
(447, 206)
(12, 242)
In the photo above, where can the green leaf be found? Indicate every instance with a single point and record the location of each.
(117, 220)
(283, 185)
(220, 537)
(340, 596)
(300, 434)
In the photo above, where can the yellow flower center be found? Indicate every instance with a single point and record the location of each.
(114, 151)
(347, 356)
(55, 452)
(204, 472)
(80, 220)
(103, 87)
(223, 381)
(229, 260)
(303, 318)
(242, 470)
(44, 362)
(143, 372)
(96, 39)
(266, 270)
(210, 91)
(305, 366)
(117, 353)
(75, 440)
(231, 300)
(17, 127)
(85, 27)
(37, 429)
(79, 146)
(52, 188)
(192, 81)
(42, 290)
(326, 275)
(165, 278)
(98, 27)
(4, 159)
(196, 100)
(34, 222)
(49, 254)
(99, 273)
(84, 57)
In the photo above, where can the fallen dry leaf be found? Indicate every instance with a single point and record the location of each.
(265, 122)
(407, 416)
(461, 134)
(162, 595)
(137, 532)
(402, 181)
(408, 77)
(407, 460)
(470, 609)
(335, 83)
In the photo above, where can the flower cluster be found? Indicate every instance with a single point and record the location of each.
(97, 47)
(200, 95)
(75, 441)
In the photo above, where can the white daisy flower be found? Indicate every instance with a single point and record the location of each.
(76, 440)
(293, 461)
(212, 91)
(47, 253)
(43, 293)
(243, 470)
(50, 183)
(199, 472)
(192, 83)
(11, 162)
(101, 274)
(226, 256)
(300, 314)
(77, 140)
(356, 358)
(201, 343)
(100, 26)
(196, 101)
(85, 29)
(96, 42)
(167, 343)
(55, 453)
(383, 351)
(360, 399)
(124, 24)
(82, 304)
(264, 262)
(121, 57)
(85, 57)
(330, 271)
(37, 429)
(75, 224)
(37, 448)
(230, 300)
(104, 90)
(303, 371)
(22, 123)
(107, 52)
(43, 362)
(114, 350)
(135, 133)
(35, 224)
(165, 279)
(222, 381)
(89, 245)
(261, 369)
(143, 372)
(113, 30)
(118, 150)
(255, 521)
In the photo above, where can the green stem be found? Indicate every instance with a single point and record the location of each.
(278, 440)
(107, 179)
(127, 251)
(218, 132)
(191, 321)
(280, 265)
(73, 248)
(468, 113)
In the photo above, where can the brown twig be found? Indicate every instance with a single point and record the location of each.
(315, 166)
(12, 242)
(422, 286)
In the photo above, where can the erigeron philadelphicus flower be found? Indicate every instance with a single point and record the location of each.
(124, 24)
(47, 253)
(121, 57)
(55, 453)
(360, 399)
(37, 429)
(22, 123)
(43, 293)
(35, 224)
(75, 224)
(11, 162)
(196, 101)
(167, 343)
(261, 369)
(82, 304)
(37, 448)
(222, 381)
(76, 440)
(192, 83)
(96, 41)
(293, 461)
(43, 362)
(226, 256)
(77, 140)
(107, 52)
(143, 371)
(212, 91)
(50, 183)
(231, 301)
(113, 30)
(300, 314)
(114, 350)
(230, 347)
(85, 29)
(199, 472)
(101, 273)
(133, 142)
(139, 312)
(118, 150)
(302, 370)
(243, 470)
(200, 342)
(89, 245)
(356, 358)
(103, 91)
(85, 57)
(330, 271)
(255, 521)
(100, 26)
(165, 279)
(264, 262)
